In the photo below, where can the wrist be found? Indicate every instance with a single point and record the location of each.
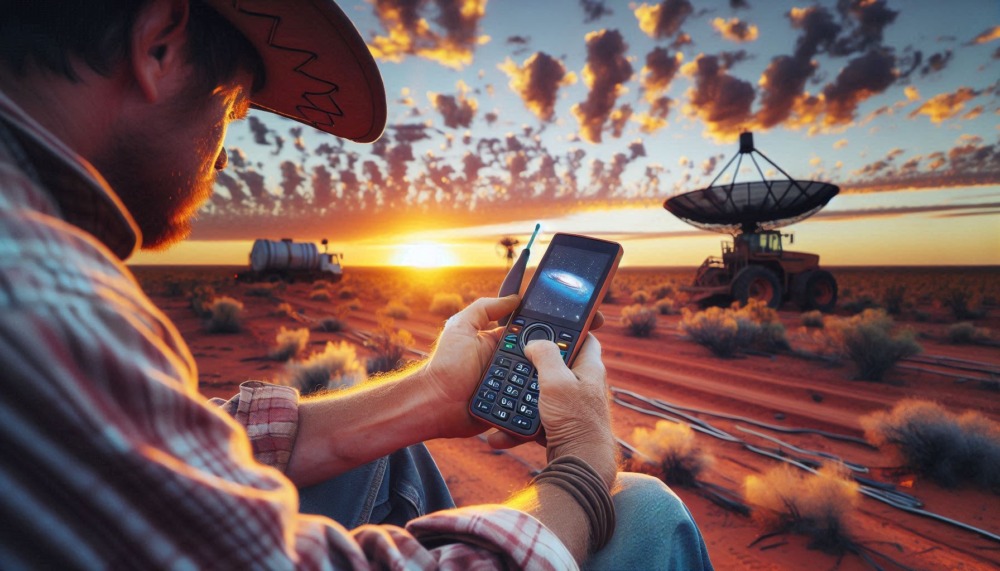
(599, 450)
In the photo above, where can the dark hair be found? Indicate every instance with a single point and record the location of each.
(50, 34)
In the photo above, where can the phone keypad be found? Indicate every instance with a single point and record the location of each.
(508, 393)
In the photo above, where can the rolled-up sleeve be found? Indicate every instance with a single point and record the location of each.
(270, 415)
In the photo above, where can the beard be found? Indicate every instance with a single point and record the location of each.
(162, 190)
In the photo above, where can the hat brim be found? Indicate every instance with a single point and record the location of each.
(319, 69)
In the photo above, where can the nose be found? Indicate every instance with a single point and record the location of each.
(222, 160)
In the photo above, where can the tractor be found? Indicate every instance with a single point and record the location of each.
(755, 265)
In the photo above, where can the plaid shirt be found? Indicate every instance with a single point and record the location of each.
(109, 457)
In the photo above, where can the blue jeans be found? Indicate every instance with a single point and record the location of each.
(655, 529)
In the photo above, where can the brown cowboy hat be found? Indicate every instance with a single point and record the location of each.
(319, 69)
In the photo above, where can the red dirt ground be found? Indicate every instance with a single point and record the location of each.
(781, 389)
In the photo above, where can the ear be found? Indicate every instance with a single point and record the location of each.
(159, 38)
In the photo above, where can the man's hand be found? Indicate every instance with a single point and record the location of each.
(573, 405)
(460, 356)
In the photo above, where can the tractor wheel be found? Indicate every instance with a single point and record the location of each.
(816, 289)
(760, 283)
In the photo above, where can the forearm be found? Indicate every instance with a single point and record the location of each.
(340, 430)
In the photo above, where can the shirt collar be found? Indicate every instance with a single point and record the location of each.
(83, 197)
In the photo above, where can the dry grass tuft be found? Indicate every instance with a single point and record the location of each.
(933, 442)
(389, 345)
(816, 505)
(396, 310)
(668, 306)
(319, 295)
(729, 331)
(813, 319)
(284, 310)
(200, 298)
(330, 324)
(671, 447)
(225, 315)
(289, 343)
(446, 304)
(638, 320)
(641, 297)
(867, 340)
(965, 333)
(336, 367)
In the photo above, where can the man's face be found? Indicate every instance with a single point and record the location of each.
(162, 163)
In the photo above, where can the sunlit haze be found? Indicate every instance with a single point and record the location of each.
(587, 116)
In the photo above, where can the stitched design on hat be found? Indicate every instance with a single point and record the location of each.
(320, 109)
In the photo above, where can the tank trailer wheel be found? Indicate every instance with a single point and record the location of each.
(760, 283)
(816, 289)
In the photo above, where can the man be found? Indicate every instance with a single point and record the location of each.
(112, 119)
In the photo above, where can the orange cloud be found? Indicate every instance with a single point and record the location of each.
(408, 33)
(606, 72)
(987, 36)
(664, 19)
(735, 30)
(537, 81)
(945, 105)
(720, 100)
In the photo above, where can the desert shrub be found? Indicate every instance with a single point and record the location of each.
(813, 318)
(719, 330)
(173, 288)
(859, 304)
(284, 310)
(640, 297)
(225, 315)
(639, 321)
(965, 333)
(729, 331)
(959, 301)
(321, 284)
(330, 324)
(347, 293)
(892, 299)
(922, 316)
(289, 343)
(353, 305)
(319, 295)
(662, 290)
(337, 366)
(262, 289)
(201, 300)
(388, 345)
(396, 310)
(667, 306)
(818, 506)
(867, 340)
(933, 442)
(671, 447)
(446, 304)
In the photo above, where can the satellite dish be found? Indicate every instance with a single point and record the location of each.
(750, 207)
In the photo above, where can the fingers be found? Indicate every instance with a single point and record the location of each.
(484, 310)
(547, 359)
(588, 362)
(499, 440)
(597, 322)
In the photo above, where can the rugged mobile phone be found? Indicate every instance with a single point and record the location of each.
(558, 305)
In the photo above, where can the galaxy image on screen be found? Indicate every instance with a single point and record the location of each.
(564, 286)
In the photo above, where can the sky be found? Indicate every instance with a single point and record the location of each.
(585, 115)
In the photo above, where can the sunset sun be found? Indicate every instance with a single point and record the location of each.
(424, 255)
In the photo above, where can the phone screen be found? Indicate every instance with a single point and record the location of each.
(566, 284)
